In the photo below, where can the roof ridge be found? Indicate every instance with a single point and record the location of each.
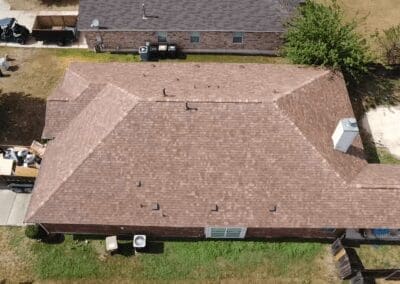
(281, 110)
(302, 85)
(295, 127)
(85, 84)
(89, 151)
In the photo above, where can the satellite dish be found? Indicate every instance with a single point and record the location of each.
(95, 23)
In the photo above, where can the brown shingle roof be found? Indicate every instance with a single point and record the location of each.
(379, 176)
(187, 15)
(260, 137)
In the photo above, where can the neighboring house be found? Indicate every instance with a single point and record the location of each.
(223, 26)
(188, 150)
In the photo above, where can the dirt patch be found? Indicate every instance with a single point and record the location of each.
(21, 118)
(23, 92)
(49, 5)
(14, 268)
(34, 72)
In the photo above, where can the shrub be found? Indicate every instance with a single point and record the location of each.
(318, 35)
(390, 43)
(34, 232)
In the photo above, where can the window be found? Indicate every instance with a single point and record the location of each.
(195, 37)
(238, 37)
(225, 233)
(162, 36)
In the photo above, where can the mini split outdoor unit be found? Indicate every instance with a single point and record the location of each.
(139, 241)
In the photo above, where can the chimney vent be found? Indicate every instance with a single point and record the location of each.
(345, 133)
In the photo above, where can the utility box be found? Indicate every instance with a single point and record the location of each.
(345, 133)
(111, 244)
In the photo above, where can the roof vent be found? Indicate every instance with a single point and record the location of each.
(144, 17)
(155, 206)
(272, 208)
(189, 108)
(165, 93)
(214, 208)
(345, 133)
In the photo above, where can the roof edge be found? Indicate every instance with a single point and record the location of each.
(30, 215)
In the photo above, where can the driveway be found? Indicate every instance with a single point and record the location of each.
(27, 18)
(13, 207)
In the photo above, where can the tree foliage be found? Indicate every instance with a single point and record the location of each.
(390, 43)
(34, 232)
(319, 35)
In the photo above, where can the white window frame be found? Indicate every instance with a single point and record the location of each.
(208, 232)
(195, 35)
(162, 34)
(238, 35)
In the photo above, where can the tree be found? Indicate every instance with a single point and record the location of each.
(318, 35)
(390, 43)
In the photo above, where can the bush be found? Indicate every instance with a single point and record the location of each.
(318, 35)
(34, 232)
(390, 43)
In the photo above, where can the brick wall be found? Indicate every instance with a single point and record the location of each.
(114, 40)
(189, 232)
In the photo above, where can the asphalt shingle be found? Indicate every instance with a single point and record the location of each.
(187, 15)
(244, 137)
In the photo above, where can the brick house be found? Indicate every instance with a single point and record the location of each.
(224, 26)
(189, 150)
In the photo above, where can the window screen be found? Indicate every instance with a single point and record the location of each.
(225, 233)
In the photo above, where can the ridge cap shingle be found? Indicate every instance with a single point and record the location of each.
(125, 106)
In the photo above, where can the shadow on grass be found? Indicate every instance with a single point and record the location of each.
(125, 248)
(378, 87)
(21, 118)
(53, 239)
(154, 248)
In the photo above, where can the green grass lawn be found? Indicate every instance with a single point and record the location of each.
(87, 55)
(386, 158)
(78, 259)
(379, 257)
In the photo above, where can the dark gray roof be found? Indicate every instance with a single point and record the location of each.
(187, 15)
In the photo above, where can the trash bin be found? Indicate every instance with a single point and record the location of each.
(162, 50)
(153, 51)
(172, 51)
(144, 53)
